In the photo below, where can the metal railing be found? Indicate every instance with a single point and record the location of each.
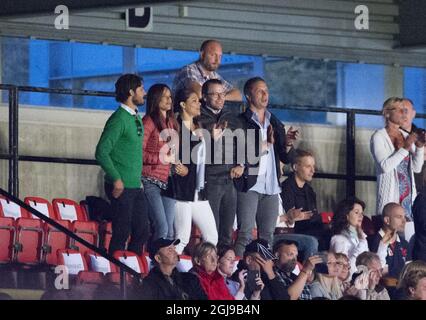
(123, 267)
(14, 157)
(13, 181)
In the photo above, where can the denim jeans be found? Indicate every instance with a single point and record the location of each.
(162, 211)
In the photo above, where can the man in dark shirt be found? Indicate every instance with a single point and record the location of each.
(221, 166)
(164, 281)
(389, 246)
(258, 257)
(296, 193)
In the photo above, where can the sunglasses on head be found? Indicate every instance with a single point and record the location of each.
(138, 126)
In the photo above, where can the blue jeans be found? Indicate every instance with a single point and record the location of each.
(162, 211)
(306, 244)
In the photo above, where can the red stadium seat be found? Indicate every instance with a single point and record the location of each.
(90, 277)
(148, 260)
(42, 205)
(184, 264)
(98, 263)
(67, 209)
(7, 239)
(326, 217)
(28, 241)
(10, 209)
(73, 260)
(105, 234)
(132, 260)
(54, 240)
(88, 230)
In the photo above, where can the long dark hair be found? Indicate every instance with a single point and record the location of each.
(153, 99)
(181, 96)
(340, 221)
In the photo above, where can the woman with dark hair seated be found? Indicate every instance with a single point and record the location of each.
(226, 263)
(346, 226)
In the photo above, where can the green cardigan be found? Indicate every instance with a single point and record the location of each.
(119, 150)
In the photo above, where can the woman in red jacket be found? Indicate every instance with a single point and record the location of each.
(204, 259)
(159, 124)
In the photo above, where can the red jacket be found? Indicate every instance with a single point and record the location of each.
(152, 166)
(213, 284)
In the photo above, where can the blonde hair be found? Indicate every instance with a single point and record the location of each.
(201, 250)
(411, 275)
(388, 105)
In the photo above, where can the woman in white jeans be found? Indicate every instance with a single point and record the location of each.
(191, 204)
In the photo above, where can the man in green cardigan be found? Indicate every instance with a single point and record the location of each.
(119, 152)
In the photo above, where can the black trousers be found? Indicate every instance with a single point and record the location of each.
(222, 197)
(129, 217)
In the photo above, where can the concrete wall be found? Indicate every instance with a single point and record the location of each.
(74, 133)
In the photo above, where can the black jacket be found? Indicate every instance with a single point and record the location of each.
(246, 181)
(183, 188)
(305, 198)
(186, 286)
(397, 254)
(217, 162)
(419, 215)
(274, 289)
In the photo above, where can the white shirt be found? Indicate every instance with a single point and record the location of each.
(129, 110)
(267, 180)
(349, 243)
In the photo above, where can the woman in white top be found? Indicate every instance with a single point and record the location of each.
(191, 205)
(346, 226)
(397, 155)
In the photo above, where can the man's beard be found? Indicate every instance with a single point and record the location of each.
(289, 266)
(211, 68)
(137, 102)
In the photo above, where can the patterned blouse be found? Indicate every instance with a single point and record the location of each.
(405, 192)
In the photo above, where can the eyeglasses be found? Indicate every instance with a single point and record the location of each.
(217, 94)
(138, 126)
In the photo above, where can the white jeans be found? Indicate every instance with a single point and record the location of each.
(201, 214)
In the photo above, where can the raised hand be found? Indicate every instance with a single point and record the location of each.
(270, 135)
(291, 136)
(412, 138)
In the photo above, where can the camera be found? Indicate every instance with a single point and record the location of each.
(252, 275)
(420, 132)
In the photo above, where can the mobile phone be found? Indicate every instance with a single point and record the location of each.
(323, 256)
(252, 275)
